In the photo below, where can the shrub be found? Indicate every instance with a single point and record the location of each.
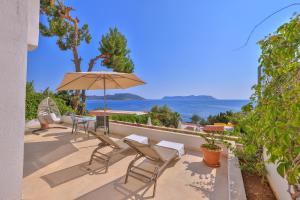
(140, 119)
(34, 98)
(160, 116)
(164, 116)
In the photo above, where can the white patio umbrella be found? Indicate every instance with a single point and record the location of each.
(99, 81)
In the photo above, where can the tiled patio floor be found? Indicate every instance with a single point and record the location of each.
(55, 167)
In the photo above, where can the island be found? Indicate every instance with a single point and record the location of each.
(117, 96)
(190, 97)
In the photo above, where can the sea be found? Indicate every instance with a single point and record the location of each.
(186, 108)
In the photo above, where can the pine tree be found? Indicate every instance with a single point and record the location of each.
(69, 36)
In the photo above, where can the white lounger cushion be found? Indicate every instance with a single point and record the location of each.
(173, 145)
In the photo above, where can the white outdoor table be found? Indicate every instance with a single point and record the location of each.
(173, 145)
(138, 138)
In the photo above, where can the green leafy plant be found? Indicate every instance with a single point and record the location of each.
(195, 119)
(210, 141)
(160, 116)
(140, 119)
(251, 153)
(163, 115)
(222, 117)
(272, 121)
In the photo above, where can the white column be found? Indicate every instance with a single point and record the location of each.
(13, 60)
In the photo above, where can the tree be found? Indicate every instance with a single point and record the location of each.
(163, 115)
(65, 27)
(115, 53)
(275, 118)
(70, 35)
(195, 119)
(222, 117)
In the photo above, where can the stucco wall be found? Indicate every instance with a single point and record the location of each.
(13, 59)
(33, 7)
(277, 183)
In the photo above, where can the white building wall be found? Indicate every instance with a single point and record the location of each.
(33, 23)
(13, 59)
(278, 184)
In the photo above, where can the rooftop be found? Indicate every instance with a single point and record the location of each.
(56, 166)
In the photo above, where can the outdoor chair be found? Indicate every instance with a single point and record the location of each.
(118, 147)
(159, 157)
(48, 113)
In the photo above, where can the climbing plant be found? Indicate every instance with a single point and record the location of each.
(275, 118)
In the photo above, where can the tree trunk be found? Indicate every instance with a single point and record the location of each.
(90, 68)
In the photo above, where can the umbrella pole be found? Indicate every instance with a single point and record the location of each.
(104, 95)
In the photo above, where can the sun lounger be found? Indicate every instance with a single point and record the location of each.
(159, 156)
(117, 148)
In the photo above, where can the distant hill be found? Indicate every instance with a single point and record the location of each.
(190, 97)
(118, 96)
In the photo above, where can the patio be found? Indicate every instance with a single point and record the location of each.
(56, 167)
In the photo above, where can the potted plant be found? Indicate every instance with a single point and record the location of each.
(211, 151)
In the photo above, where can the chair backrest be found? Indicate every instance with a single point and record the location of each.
(48, 110)
(105, 139)
(144, 149)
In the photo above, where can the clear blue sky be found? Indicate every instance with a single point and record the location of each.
(178, 47)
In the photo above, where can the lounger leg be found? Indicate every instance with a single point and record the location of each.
(106, 167)
(130, 165)
(95, 150)
(154, 188)
(91, 159)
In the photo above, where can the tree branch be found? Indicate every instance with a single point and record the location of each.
(94, 60)
(65, 13)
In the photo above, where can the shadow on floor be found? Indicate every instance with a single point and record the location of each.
(133, 189)
(208, 180)
(40, 154)
(117, 190)
(97, 167)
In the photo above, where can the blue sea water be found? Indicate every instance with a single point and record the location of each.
(186, 108)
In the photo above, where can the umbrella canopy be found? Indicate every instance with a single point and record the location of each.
(98, 81)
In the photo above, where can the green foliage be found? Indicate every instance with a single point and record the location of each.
(34, 98)
(114, 46)
(70, 35)
(211, 146)
(278, 99)
(32, 101)
(251, 155)
(164, 116)
(62, 26)
(140, 119)
(274, 122)
(195, 119)
(222, 117)
(160, 116)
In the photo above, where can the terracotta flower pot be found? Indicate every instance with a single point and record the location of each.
(211, 157)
